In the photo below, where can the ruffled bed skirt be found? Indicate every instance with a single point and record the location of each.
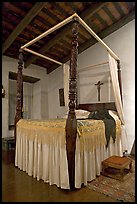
(41, 151)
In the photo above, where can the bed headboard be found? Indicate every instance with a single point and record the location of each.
(97, 106)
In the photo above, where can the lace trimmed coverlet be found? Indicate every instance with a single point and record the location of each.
(41, 150)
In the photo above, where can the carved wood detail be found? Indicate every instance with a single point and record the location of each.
(71, 122)
(19, 97)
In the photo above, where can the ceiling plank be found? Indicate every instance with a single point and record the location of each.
(109, 30)
(24, 22)
(118, 7)
(95, 7)
(102, 35)
(102, 21)
(51, 15)
(59, 8)
(112, 17)
(73, 7)
(88, 13)
(47, 46)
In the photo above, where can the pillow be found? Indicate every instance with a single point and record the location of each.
(80, 114)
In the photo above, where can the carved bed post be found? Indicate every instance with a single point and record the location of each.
(119, 77)
(19, 99)
(71, 122)
(22, 101)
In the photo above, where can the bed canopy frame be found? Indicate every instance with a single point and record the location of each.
(71, 122)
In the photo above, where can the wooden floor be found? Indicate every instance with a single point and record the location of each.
(17, 186)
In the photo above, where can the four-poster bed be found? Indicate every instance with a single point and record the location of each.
(68, 136)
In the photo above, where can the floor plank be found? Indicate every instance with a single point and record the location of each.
(17, 186)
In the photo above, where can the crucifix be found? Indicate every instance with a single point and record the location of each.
(98, 88)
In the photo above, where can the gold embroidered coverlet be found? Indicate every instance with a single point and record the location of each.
(52, 131)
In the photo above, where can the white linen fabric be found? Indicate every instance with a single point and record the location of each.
(116, 88)
(117, 96)
(88, 163)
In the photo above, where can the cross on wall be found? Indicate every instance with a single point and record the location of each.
(98, 84)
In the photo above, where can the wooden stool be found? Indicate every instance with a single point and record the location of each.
(116, 163)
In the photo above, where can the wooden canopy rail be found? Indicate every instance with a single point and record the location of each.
(40, 55)
(71, 122)
(64, 22)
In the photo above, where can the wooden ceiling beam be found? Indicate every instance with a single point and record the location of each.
(108, 30)
(59, 8)
(103, 34)
(95, 7)
(47, 46)
(22, 25)
(88, 13)
(108, 12)
(119, 9)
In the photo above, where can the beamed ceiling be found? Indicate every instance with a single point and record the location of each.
(24, 21)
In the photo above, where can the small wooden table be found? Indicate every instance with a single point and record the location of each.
(115, 163)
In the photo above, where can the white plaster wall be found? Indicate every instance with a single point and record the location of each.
(122, 42)
(87, 88)
(44, 98)
(36, 113)
(55, 82)
(40, 106)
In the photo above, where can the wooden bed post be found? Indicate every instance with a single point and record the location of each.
(71, 122)
(19, 99)
(119, 77)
